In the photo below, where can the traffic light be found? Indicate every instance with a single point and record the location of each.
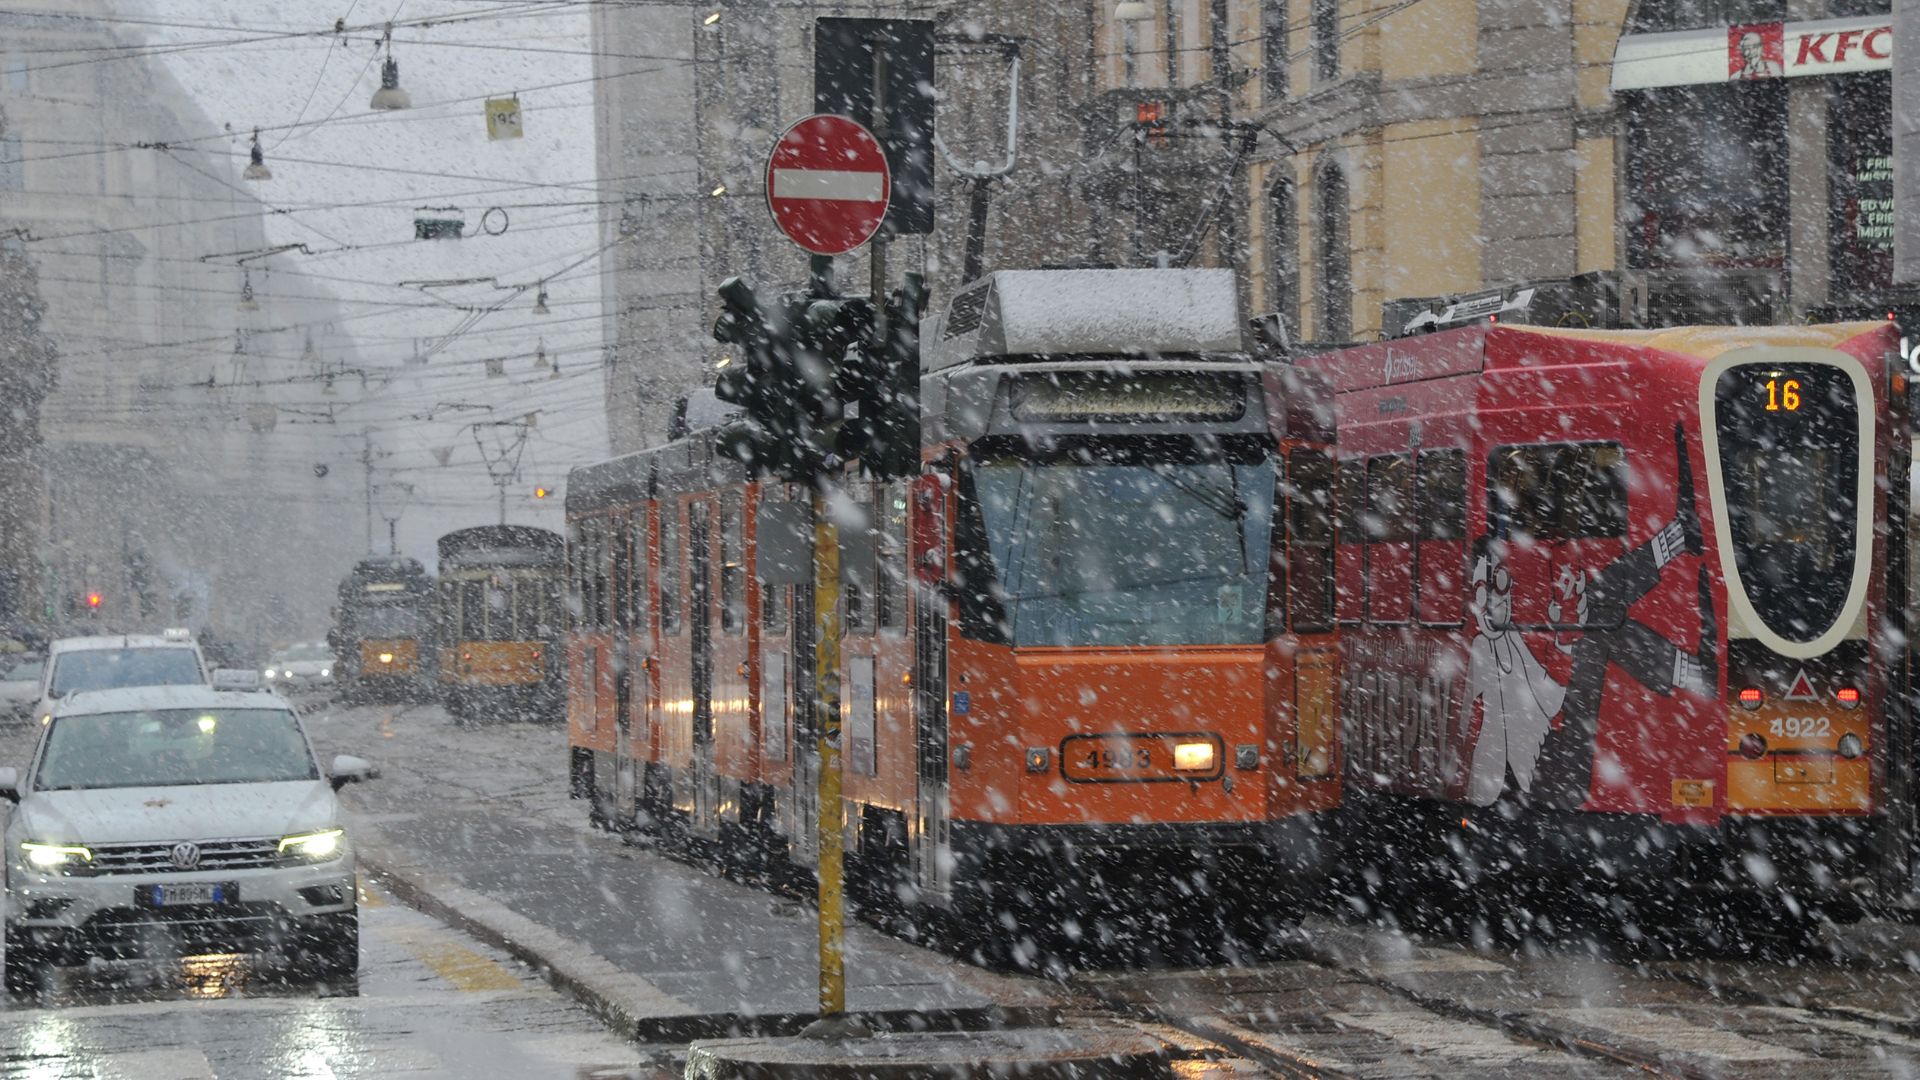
(881, 387)
(813, 381)
(93, 601)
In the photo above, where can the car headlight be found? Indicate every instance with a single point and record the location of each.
(316, 846)
(54, 856)
(325, 671)
(269, 673)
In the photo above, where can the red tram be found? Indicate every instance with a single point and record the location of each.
(1612, 606)
(1089, 648)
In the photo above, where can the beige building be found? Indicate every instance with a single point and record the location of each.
(1733, 157)
(172, 486)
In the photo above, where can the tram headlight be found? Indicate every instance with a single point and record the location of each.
(386, 658)
(1851, 746)
(1753, 745)
(1193, 757)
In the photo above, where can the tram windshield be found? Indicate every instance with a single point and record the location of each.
(388, 620)
(1790, 458)
(1092, 549)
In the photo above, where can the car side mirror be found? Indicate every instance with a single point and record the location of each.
(348, 769)
(10, 785)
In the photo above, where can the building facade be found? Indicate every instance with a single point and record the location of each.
(1729, 159)
(168, 477)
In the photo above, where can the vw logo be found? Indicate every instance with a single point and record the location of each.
(186, 856)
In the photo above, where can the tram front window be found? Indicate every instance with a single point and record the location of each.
(1102, 552)
(1790, 460)
(387, 622)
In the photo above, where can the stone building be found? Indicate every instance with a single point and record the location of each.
(168, 478)
(1342, 155)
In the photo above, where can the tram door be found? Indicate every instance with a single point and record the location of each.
(932, 853)
(700, 576)
(621, 582)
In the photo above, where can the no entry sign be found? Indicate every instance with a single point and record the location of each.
(827, 184)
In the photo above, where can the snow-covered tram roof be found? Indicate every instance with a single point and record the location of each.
(1052, 313)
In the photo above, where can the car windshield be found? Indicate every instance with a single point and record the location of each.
(165, 747)
(112, 669)
(21, 671)
(307, 652)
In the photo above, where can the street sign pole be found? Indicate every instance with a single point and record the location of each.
(831, 819)
(828, 190)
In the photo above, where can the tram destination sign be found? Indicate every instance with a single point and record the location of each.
(1116, 396)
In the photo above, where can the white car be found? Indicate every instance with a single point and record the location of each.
(79, 664)
(19, 685)
(301, 665)
(176, 820)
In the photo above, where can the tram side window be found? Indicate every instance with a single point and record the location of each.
(473, 611)
(1443, 495)
(603, 535)
(733, 566)
(1310, 542)
(670, 621)
(890, 551)
(1350, 501)
(858, 576)
(1390, 508)
(1554, 492)
(576, 576)
(620, 557)
(638, 579)
(773, 609)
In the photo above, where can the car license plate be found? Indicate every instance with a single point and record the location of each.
(192, 892)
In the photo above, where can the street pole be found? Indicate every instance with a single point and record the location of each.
(366, 460)
(831, 819)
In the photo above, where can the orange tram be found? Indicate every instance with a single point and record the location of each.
(1089, 661)
(501, 591)
(1617, 614)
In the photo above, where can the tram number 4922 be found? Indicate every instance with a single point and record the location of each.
(1800, 727)
(1114, 758)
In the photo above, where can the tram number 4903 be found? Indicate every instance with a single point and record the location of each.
(1783, 395)
(1800, 727)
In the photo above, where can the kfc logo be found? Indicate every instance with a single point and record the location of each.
(1756, 51)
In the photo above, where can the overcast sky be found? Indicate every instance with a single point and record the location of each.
(352, 181)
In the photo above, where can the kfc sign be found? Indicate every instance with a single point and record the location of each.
(1753, 51)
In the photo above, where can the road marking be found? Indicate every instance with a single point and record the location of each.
(1856, 1028)
(1428, 1033)
(462, 968)
(180, 1064)
(1671, 1034)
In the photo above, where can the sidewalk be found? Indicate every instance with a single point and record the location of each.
(664, 951)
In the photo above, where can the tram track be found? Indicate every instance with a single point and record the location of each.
(1514, 1025)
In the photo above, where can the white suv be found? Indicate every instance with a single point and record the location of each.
(78, 664)
(171, 820)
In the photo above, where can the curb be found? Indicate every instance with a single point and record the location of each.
(633, 1007)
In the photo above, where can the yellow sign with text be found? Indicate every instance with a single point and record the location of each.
(503, 118)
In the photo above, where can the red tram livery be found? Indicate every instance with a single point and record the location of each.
(1089, 648)
(1611, 605)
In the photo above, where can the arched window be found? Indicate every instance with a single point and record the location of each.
(1333, 257)
(1283, 253)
